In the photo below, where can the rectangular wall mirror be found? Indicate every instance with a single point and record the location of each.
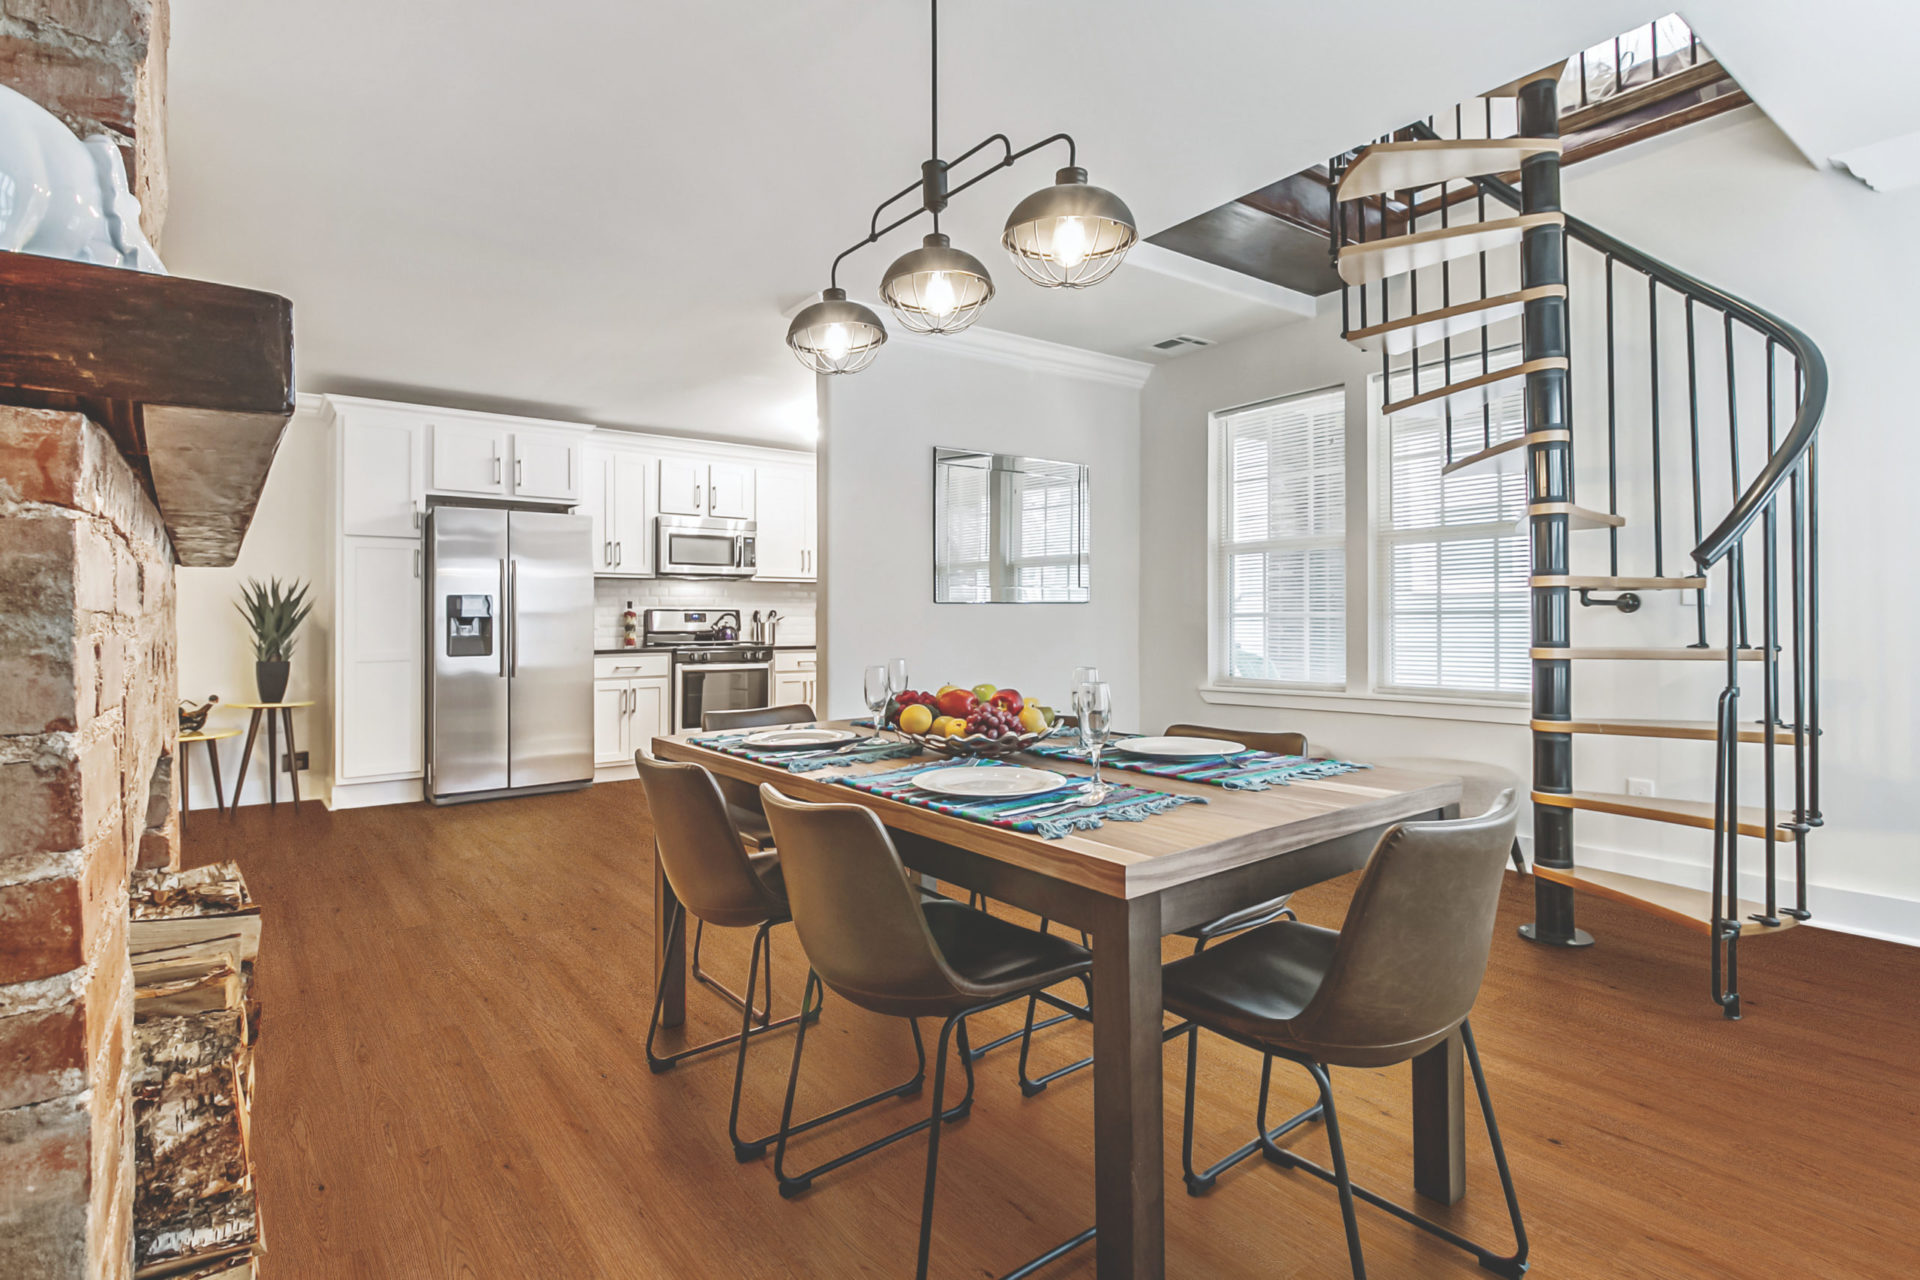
(1009, 530)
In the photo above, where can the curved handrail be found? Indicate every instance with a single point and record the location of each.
(1813, 365)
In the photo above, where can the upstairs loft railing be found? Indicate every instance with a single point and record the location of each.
(1631, 60)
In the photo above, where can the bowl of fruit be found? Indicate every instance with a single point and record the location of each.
(981, 721)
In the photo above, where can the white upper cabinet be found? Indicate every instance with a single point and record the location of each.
(730, 491)
(546, 468)
(694, 487)
(469, 457)
(596, 492)
(630, 507)
(785, 540)
(383, 479)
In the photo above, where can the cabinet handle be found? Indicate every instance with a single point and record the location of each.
(416, 562)
(496, 464)
(519, 473)
(606, 553)
(696, 497)
(416, 514)
(619, 554)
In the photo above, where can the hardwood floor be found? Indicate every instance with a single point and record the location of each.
(451, 1083)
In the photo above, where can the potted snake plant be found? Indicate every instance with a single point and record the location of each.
(273, 613)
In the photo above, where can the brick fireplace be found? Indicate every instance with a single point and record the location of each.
(87, 726)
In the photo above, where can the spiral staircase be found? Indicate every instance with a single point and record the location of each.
(1437, 254)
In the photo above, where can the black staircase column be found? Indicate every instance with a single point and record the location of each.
(1549, 480)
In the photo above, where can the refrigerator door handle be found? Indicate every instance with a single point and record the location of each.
(504, 620)
(513, 611)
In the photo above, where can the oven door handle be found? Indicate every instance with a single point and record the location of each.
(696, 667)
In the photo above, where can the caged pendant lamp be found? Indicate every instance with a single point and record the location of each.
(1069, 235)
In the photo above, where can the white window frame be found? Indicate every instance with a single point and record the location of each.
(1218, 624)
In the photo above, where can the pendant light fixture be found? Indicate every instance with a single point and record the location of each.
(1069, 235)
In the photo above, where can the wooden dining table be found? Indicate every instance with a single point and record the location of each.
(1129, 884)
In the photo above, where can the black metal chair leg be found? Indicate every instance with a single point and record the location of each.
(732, 997)
(744, 1151)
(1342, 1179)
(1030, 1087)
(793, 1184)
(933, 1133)
(658, 1063)
(1201, 1182)
(1515, 1264)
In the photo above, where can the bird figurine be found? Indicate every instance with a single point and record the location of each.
(193, 719)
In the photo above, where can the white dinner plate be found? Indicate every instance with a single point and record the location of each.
(997, 782)
(1180, 748)
(783, 739)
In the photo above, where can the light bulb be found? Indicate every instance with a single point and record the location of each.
(940, 299)
(836, 342)
(1070, 242)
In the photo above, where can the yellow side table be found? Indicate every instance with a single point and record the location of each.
(285, 712)
(208, 736)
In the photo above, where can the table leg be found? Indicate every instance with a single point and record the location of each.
(246, 757)
(186, 772)
(273, 762)
(1439, 1122)
(293, 758)
(669, 950)
(1129, 1187)
(219, 788)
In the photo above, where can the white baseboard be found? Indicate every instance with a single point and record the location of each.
(1871, 915)
(365, 795)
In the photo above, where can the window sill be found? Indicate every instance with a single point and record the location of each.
(1472, 710)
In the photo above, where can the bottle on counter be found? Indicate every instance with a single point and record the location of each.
(630, 628)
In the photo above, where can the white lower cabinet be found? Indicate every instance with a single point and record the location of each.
(796, 678)
(632, 705)
(381, 713)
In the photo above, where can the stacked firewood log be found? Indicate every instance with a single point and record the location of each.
(193, 938)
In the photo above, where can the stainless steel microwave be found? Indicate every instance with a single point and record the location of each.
(692, 547)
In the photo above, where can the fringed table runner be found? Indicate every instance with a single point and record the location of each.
(1050, 817)
(1243, 771)
(806, 761)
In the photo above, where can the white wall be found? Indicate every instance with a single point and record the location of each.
(288, 540)
(879, 429)
(1734, 204)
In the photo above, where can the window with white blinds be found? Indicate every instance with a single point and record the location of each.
(1279, 548)
(1453, 566)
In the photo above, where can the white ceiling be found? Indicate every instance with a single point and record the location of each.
(600, 209)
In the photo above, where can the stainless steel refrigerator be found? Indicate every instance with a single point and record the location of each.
(510, 652)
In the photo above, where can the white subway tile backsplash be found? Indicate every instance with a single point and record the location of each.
(610, 596)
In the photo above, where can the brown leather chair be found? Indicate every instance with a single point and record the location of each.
(742, 798)
(1398, 979)
(1480, 784)
(881, 946)
(718, 882)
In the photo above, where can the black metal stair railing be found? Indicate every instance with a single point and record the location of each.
(1787, 476)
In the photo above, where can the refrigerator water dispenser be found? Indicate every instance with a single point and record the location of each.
(469, 626)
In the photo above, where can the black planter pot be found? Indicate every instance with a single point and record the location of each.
(271, 679)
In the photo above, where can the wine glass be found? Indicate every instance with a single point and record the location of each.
(879, 692)
(1093, 705)
(897, 675)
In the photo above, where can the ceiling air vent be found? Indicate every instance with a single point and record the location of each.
(1178, 343)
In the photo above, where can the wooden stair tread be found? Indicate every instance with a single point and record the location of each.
(1580, 582)
(1692, 908)
(1578, 517)
(1475, 390)
(1646, 655)
(1784, 735)
(1376, 260)
(1424, 328)
(1505, 457)
(1683, 813)
(1407, 166)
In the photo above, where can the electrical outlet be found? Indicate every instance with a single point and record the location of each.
(1639, 786)
(297, 765)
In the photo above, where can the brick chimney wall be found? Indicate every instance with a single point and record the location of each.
(88, 691)
(101, 67)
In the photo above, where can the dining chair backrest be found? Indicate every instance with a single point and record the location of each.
(1413, 950)
(859, 920)
(1279, 742)
(756, 717)
(1481, 784)
(699, 846)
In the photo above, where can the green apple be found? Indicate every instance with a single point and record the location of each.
(984, 692)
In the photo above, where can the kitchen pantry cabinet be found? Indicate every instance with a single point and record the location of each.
(617, 492)
(383, 481)
(632, 705)
(694, 487)
(788, 532)
(796, 678)
(380, 698)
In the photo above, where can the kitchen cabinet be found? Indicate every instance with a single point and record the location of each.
(632, 703)
(788, 524)
(796, 678)
(471, 458)
(545, 468)
(383, 483)
(696, 487)
(380, 712)
(617, 493)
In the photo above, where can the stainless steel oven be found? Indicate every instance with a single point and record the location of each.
(719, 680)
(691, 547)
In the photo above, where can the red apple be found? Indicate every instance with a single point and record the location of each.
(1009, 700)
(958, 702)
